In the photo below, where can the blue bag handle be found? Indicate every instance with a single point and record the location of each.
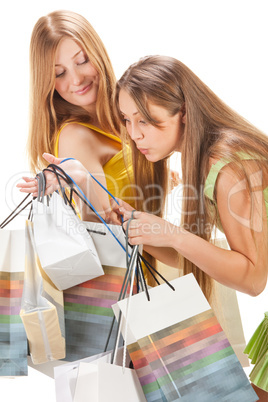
(141, 258)
(91, 206)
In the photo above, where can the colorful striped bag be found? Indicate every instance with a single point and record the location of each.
(88, 313)
(13, 340)
(87, 306)
(178, 349)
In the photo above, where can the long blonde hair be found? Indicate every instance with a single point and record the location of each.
(212, 130)
(48, 111)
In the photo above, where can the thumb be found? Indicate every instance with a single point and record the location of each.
(52, 159)
(115, 205)
(129, 214)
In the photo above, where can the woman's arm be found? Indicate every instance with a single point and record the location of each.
(244, 267)
(89, 148)
(90, 151)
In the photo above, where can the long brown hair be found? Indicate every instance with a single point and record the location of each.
(212, 130)
(48, 111)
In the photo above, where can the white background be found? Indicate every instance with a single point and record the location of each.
(223, 41)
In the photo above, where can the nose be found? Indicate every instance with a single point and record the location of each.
(135, 132)
(76, 78)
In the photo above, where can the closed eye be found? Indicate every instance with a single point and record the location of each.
(60, 74)
(83, 62)
(125, 121)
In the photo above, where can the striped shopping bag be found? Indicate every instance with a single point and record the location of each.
(89, 315)
(178, 348)
(13, 340)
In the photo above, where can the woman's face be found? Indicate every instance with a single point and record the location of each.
(155, 143)
(77, 81)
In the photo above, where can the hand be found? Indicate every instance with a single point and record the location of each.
(148, 229)
(72, 167)
(116, 215)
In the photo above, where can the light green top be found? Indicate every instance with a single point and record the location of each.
(212, 178)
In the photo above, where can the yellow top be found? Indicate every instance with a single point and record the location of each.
(118, 177)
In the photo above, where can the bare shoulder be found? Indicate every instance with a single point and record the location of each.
(90, 147)
(82, 143)
(75, 133)
(78, 138)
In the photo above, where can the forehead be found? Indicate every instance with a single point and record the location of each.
(67, 48)
(128, 106)
(127, 103)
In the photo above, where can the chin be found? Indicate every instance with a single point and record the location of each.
(152, 158)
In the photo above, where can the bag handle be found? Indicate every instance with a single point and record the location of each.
(87, 202)
(83, 197)
(150, 268)
(11, 217)
(132, 267)
(99, 183)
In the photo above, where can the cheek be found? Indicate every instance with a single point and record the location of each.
(97, 78)
(59, 87)
(62, 87)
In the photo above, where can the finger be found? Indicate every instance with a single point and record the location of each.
(135, 240)
(29, 179)
(28, 190)
(113, 218)
(130, 214)
(132, 224)
(26, 185)
(115, 205)
(52, 159)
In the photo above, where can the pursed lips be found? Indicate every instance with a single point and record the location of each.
(143, 150)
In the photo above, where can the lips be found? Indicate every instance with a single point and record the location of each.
(84, 90)
(144, 151)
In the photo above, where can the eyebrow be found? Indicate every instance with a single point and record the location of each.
(134, 114)
(73, 57)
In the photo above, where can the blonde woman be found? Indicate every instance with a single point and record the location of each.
(165, 107)
(72, 81)
(71, 84)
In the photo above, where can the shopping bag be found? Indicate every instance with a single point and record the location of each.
(87, 306)
(257, 350)
(107, 240)
(96, 379)
(13, 340)
(64, 246)
(89, 314)
(178, 348)
(41, 308)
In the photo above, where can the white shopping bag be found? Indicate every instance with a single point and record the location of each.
(109, 250)
(107, 382)
(65, 248)
(94, 379)
(41, 309)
